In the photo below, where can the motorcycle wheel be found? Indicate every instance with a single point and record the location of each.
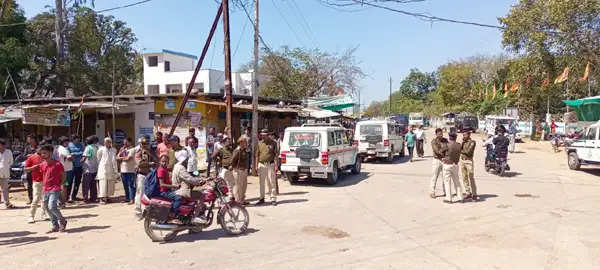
(233, 218)
(157, 235)
(502, 170)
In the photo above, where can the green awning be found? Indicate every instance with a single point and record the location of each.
(587, 109)
(334, 103)
(338, 107)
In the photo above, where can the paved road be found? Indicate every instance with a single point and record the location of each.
(542, 217)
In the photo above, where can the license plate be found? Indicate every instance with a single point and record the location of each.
(304, 169)
(318, 172)
(371, 152)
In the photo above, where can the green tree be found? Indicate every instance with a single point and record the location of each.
(418, 84)
(13, 48)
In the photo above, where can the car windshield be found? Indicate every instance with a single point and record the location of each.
(304, 139)
(371, 130)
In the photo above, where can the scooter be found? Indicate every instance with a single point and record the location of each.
(195, 215)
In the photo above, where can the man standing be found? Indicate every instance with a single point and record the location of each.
(466, 165)
(127, 157)
(248, 137)
(30, 149)
(225, 154)
(107, 170)
(53, 175)
(191, 134)
(420, 141)
(163, 147)
(210, 149)
(410, 137)
(266, 167)
(437, 144)
(66, 160)
(6, 160)
(76, 149)
(240, 167)
(32, 166)
(145, 159)
(90, 185)
(158, 139)
(451, 157)
(192, 146)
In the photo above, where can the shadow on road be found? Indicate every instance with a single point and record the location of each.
(511, 174)
(82, 206)
(21, 241)
(345, 179)
(592, 171)
(293, 193)
(15, 234)
(81, 216)
(87, 228)
(213, 234)
(484, 197)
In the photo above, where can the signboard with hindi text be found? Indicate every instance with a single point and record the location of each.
(46, 117)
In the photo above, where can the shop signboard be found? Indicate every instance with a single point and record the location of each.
(46, 117)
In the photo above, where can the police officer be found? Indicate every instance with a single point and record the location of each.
(450, 168)
(436, 145)
(225, 154)
(266, 166)
(466, 165)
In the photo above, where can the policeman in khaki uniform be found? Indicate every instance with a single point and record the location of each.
(240, 166)
(437, 144)
(450, 168)
(225, 153)
(466, 165)
(266, 155)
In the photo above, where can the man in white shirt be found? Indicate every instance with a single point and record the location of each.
(192, 146)
(6, 160)
(420, 136)
(66, 159)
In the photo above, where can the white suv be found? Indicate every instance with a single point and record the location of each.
(585, 150)
(319, 152)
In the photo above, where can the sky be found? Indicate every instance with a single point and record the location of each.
(389, 44)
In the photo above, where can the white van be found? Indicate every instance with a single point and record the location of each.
(585, 150)
(493, 121)
(379, 139)
(319, 152)
(415, 119)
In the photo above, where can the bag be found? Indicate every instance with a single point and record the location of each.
(151, 184)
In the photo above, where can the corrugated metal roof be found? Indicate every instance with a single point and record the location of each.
(261, 108)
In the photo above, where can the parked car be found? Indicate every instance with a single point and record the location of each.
(379, 139)
(416, 119)
(318, 151)
(17, 171)
(586, 149)
(466, 122)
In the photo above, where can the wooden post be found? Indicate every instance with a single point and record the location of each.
(228, 90)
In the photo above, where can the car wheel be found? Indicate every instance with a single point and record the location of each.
(292, 178)
(357, 164)
(574, 163)
(333, 176)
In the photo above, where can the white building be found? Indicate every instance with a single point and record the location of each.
(169, 72)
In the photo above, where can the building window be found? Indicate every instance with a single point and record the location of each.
(152, 61)
(174, 89)
(167, 66)
(153, 89)
(199, 87)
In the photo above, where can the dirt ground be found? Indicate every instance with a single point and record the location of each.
(541, 216)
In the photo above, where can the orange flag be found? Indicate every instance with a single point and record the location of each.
(494, 96)
(546, 81)
(562, 77)
(515, 86)
(586, 73)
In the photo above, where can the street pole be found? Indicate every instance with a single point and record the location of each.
(114, 134)
(227, 65)
(60, 53)
(255, 87)
(390, 114)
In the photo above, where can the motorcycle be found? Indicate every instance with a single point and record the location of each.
(557, 141)
(195, 215)
(493, 162)
(17, 171)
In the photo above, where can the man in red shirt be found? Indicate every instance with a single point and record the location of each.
(32, 166)
(52, 176)
(165, 185)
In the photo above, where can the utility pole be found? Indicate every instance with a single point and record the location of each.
(60, 46)
(114, 133)
(255, 85)
(227, 64)
(390, 95)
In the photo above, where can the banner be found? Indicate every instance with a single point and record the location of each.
(46, 117)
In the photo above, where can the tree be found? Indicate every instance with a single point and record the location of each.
(418, 84)
(13, 49)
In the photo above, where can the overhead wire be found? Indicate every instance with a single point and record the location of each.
(296, 10)
(288, 23)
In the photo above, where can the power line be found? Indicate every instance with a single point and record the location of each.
(305, 26)
(288, 23)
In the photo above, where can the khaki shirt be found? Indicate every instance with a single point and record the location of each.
(185, 181)
(240, 159)
(226, 155)
(266, 151)
(468, 149)
(452, 152)
(437, 145)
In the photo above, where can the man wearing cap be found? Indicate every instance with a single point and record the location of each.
(225, 154)
(437, 144)
(210, 149)
(450, 168)
(240, 166)
(466, 165)
(146, 159)
(266, 168)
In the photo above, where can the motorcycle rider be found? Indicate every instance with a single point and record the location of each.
(501, 143)
(166, 185)
(187, 181)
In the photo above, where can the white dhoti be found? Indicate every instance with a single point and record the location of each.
(107, 187)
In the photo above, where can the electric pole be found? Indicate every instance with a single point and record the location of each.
(390, 95)
(255, 85)
(58, 29)
(114, 129)
(228, 89)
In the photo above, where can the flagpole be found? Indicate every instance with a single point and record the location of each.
(567, 93)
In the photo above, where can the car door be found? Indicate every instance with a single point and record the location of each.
(347, 148)
(590, 143)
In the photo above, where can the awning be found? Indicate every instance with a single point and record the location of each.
(11, 115)
(248, 107)
(318, 113)
(335, 103)
(85, 105)
(587, 109)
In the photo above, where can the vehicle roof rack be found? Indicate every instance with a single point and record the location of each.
(322, 125)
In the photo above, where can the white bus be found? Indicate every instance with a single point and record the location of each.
(415, 119)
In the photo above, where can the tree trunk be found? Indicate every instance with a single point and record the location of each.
(60, 53)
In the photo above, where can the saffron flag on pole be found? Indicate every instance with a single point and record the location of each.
(495, 92)
(515, 86)
(562, 77)
(586, 73)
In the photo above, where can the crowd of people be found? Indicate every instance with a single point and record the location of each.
(57, 169)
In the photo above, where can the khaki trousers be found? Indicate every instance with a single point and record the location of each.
(466, 169)
(451, 179)
(241, 183)
(229, 179)
(139, 191)
(266, 173)
(436, 169)
(38, 196)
